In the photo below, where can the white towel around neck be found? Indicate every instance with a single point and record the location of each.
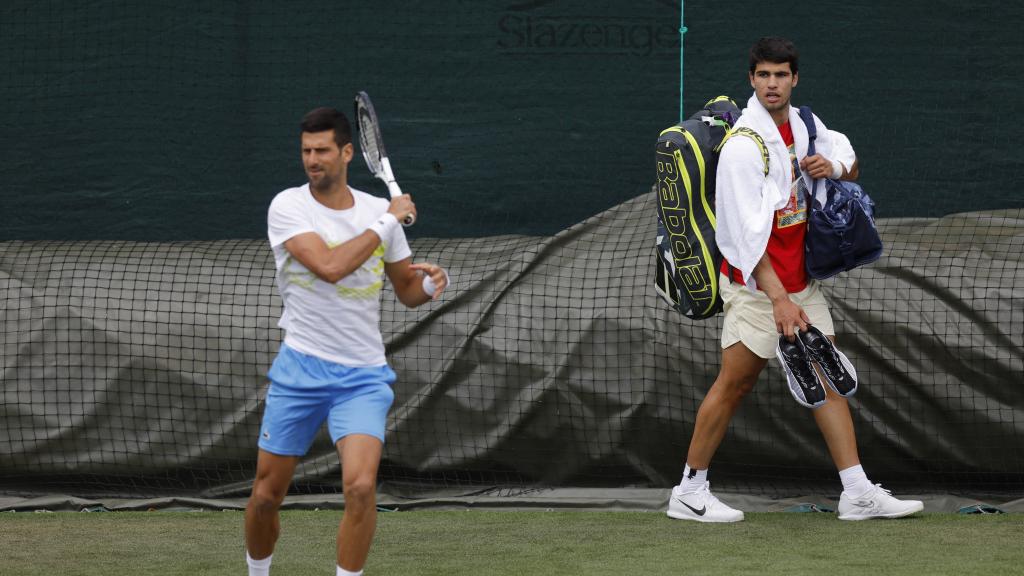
(745, 200)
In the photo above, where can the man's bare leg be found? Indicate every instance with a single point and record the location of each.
(360, 458)
(736, 378)
(262, 521)
(692, 499)
(836, 425)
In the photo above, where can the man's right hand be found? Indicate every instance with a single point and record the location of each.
(788, 317)
(787, 314)
(402, 206)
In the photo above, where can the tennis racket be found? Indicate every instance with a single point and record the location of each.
(372, 145)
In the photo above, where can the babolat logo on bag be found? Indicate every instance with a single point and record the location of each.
(687, 258)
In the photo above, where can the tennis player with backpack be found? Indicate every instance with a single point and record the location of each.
(754, 207)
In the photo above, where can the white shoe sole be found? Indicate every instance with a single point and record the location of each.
(854, 517)
(695, 518)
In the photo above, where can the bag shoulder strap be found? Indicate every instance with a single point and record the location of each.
(812, 129)
(812, 134)
(744, 131)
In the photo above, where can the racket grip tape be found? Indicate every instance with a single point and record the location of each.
(393, 188)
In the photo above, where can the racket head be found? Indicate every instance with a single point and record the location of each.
(370, 142)
(372, 146)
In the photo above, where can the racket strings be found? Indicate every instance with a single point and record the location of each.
(369, 141)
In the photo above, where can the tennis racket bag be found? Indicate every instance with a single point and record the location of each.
(841, 235)
(687, 259)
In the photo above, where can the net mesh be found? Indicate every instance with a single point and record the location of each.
(140, 136)
(138, 368)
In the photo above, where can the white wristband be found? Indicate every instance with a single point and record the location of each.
(428, 283)
(384, 225)
(837, 169)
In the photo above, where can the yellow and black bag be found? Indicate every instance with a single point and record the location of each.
(687, 259)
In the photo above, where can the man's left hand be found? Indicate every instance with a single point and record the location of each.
(435, 277)
(818, 166)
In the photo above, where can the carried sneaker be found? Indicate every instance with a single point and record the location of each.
(803, 382)
(701, 506)
(876, 503)
(837, 367)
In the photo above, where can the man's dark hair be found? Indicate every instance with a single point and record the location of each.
(323, 119)
(774, 49)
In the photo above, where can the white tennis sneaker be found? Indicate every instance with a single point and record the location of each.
(701, 506)
(876, 503)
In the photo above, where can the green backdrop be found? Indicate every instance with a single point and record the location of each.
(161, 120)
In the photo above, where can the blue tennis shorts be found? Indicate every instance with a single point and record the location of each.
(306, 390)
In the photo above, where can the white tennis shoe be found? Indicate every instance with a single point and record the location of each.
(876, 503)
(701, 506)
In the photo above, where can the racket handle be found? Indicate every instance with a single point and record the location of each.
(393, 189)
(395, 192)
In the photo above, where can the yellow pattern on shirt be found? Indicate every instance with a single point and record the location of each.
(374, 265)
(377, 269)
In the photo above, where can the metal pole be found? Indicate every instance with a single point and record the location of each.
(682, 34)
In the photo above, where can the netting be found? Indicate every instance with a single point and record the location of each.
(139, 138)
(138, 368)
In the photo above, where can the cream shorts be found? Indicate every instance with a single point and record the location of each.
(749, 318)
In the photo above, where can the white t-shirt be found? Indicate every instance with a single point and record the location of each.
(337, 322)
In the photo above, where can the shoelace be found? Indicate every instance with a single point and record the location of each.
(830, 364)
(805, 375)
(711, 498)
(871, 495)
(833, 366)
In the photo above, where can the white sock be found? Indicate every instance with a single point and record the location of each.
(855, 481)
(693, 480)
(258, 567)
(343, 572)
